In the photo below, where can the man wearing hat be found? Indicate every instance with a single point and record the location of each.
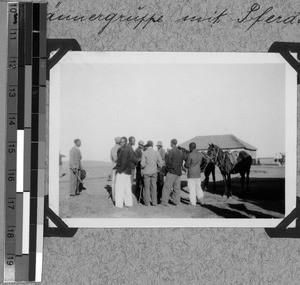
(151, 160)
(138, 179)
(161, 170)
(114, 158)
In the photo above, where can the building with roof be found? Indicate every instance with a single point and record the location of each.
(226, 142)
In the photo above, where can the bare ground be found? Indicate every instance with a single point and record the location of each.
(265, 200)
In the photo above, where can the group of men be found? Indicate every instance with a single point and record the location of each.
(158, 173)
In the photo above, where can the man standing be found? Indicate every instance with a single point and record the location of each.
(174, 162)
(126, 158)
(75, 167)
(193, 164)
(131, 145)
(150, 160)
(161, 171)
(114, 158)
(138, 176)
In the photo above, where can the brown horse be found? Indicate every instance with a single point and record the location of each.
(207, 166)
(239, 162)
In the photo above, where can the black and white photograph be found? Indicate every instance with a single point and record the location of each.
(163, 139)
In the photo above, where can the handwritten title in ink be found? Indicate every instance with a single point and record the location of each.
(142, 19)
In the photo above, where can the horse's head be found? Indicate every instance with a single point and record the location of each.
(213, 152)
(184, 152)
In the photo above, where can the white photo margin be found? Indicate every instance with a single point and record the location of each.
(167, 57)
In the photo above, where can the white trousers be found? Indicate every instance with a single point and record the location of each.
(113, 183)
(123, 190)
(196, 193)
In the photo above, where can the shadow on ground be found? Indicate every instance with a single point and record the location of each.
(267, 193)
(226, 213)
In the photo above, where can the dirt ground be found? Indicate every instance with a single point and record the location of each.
(265, 200)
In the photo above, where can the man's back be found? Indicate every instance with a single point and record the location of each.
(75, 157)
(162, 153)
(123, 161)
(139, 153)
(193, 163)
(133, 155)
(150, 160)
(174, 161)
(114, 153)
(126, 158)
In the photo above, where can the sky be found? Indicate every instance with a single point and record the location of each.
(161, 101)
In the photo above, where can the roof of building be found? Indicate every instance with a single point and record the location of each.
(223, 141)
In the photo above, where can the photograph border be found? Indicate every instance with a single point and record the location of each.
(229, 58)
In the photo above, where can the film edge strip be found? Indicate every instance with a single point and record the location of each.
(38, 138)
(11, 142)
(25, 140)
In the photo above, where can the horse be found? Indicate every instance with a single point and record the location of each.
(231, 163)
(207, 166)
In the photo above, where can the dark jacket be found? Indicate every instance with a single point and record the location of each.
(126, 158)
(139, 153)
(193, 163)
(174, 161)
(135, 160)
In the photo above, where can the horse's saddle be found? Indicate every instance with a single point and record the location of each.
(237, 156)
(233, 157)
(240, 156)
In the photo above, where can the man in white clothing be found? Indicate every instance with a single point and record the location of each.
(114, 158)
(75, 167)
